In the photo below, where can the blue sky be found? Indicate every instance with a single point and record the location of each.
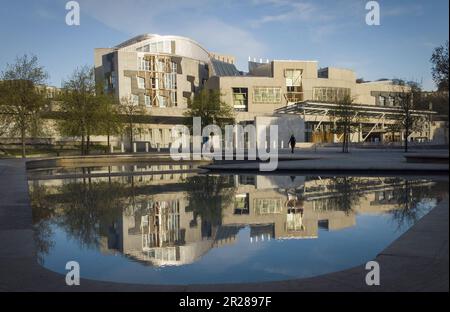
(332, 32)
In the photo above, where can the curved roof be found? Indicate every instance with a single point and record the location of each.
(184, 46)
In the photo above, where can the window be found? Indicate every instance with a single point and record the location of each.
(241, 204)
(240, 99)
(390, 101)
(293, 77)
(173, 98)
(162, 100)
(135, 99)
(171, 81)
(269, 95)
(330, 94)
(382, 100)
(268, 206)
(141, 82)
(143, 64)
(148, 101)
(155, 84)
(157, 47)
(174, 67)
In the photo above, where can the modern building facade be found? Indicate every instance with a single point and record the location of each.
(164, 72)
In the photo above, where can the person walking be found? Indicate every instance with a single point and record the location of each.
(292, 142)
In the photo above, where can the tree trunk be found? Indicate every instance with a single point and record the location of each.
(109, 144)
(82, 144)
(406, 142)
(22, 138)
(88, 143)
(131, 137)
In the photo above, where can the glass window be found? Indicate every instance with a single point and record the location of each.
(135, 99)
(240, 99)
(293, 77)
(330, 94)
(173, 98)
(390, 101)
(162, 100)
(148, 101)
(141, 82)
(267, 95)
(143, 64)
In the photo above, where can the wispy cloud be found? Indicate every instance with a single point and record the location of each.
(288, 11)
(185, 18)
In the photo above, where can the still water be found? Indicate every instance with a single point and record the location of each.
(166, 225)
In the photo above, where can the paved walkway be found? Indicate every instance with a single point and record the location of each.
(417, 261)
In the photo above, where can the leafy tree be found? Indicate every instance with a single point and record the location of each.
(110, 122)
(131, 110)
(21, 104)
(212, 110)
(439, 71)
(208, 195)
(80, 107)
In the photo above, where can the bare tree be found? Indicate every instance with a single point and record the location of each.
(346, 121)
(408, 121)
(440, 68)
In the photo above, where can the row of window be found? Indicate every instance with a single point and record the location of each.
(388, 101)
(157, 47)
(160, 100)
(267, 95)
(156, 65)
(330, 94)
(170, 82)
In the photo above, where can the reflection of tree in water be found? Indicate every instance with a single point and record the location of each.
(347, 193)
(85, 210)
(207, 196)
(89, 209)
(411, 197)
(42, 210)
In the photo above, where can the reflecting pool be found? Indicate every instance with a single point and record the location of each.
(168, 225)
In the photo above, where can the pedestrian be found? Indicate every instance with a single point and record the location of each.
(292, 142)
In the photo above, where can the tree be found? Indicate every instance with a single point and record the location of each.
(348, 193)
(19, 97)
(439, 71)
(110, 122)
(407, 120)
(80, 107)
(207, 196)
(212, 110)
(394, 128)
(131, 109)
(346, 121)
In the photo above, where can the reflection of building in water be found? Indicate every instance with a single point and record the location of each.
(160, 227)
(160, 230)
